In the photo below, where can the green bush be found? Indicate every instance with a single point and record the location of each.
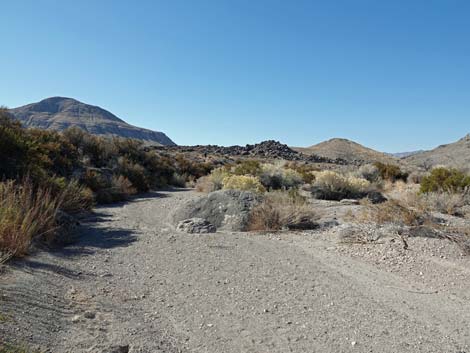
(277, 176)
(390, 172)
(443, 179)
(247, 167)
(135, 173)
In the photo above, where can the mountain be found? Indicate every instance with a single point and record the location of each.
(405, 154)
(456, 154)
(347, 150)
(59, 113)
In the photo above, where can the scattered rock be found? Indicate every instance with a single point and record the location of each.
(75, 319)
(118, 349)
(196, 225)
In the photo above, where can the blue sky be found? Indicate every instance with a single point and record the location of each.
(392, 75)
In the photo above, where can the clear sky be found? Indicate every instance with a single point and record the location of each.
(392, 75)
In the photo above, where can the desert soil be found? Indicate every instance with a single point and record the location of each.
(132, 283)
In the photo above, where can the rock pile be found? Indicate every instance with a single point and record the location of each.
(267, 149)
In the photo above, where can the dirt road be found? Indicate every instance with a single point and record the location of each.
(133, 283)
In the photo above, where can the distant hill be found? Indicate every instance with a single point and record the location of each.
(59, 113)
(405, 154)
(456, 154)
(347, 150)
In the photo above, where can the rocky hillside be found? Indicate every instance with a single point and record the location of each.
(455, 154)
(58, 113)
(347, 150)
(267, 149)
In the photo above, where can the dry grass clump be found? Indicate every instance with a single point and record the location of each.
(25, 213)
(74, 197)
(393, 212)
(451, 203)
(368, 172)
(280, 209)
(278, 176)
(330, 185)
(213, 181)
(119, 189)
(243, 182)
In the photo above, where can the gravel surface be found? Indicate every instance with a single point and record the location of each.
(134, 284)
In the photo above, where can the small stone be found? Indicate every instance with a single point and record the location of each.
(119, 349)
(89, 315)
(353, 343)
(76, 319)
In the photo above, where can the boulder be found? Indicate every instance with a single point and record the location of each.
(225, 209)
(196, 225)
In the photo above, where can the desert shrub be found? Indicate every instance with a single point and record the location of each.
(247, 167)
(214, 181)
(74, 196)
(415, 177)
(53, 152)
(179, 180)
(390, 172)
(331, 185)
(306, 171)
(205, 184)
(119, 189)
(25, 213)
(191, 169)
(159, 169)
(368, 172)
(279, 209)
(443, 179)
(276, 176)
(243, 182)
(394, 212)
(444, 202)
(134, 172)
(95, 180)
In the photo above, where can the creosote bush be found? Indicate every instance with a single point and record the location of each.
(447, 180)
(390, 172)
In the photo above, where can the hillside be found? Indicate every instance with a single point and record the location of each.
(59, 113)
(347, 150)
(456, 154)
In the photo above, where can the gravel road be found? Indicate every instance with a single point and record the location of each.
(132, 283)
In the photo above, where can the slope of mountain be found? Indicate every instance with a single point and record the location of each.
(405, 154)
(347, 150)
(456, 154)
(59, 113)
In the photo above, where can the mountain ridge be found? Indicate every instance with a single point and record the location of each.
(455, 154)
(59, 113)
